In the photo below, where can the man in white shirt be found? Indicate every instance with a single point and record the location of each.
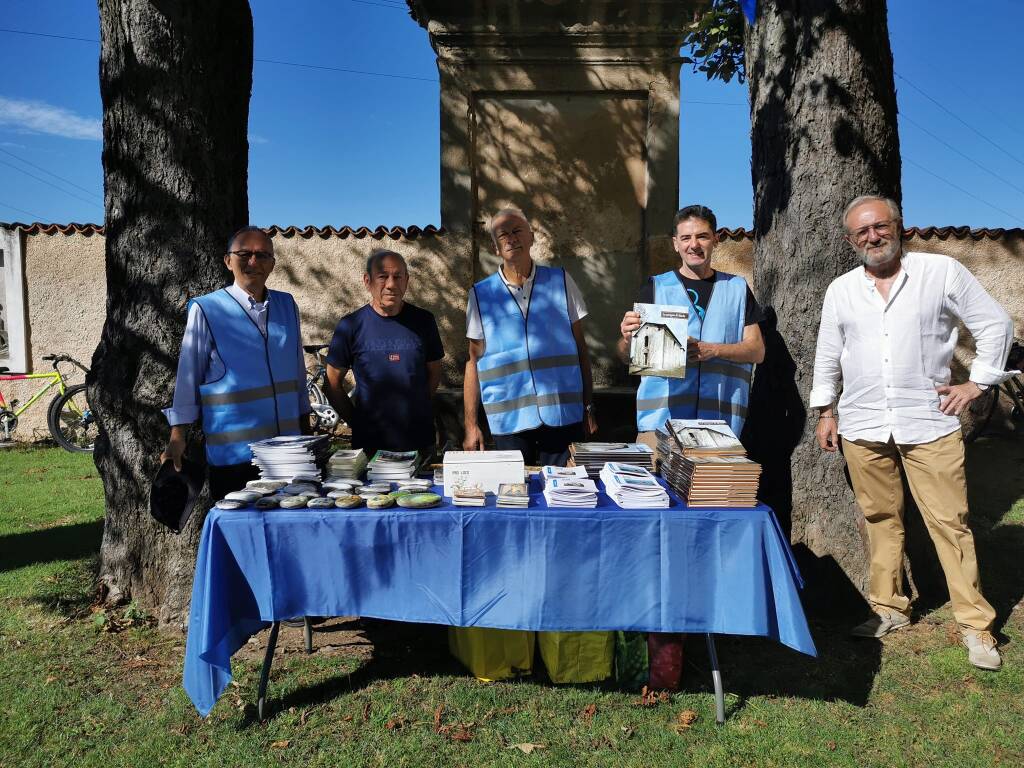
(887, 335)
(240, 370)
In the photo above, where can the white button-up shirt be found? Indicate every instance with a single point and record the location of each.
(889, 356)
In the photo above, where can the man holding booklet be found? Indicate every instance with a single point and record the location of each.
(723, 336)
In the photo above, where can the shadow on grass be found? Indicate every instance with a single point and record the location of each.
(399, 650)
(67, 542)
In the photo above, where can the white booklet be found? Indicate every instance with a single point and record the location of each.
(658, 346)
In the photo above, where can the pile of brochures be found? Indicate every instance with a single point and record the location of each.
(568, 487)
(632, 487)
(594, 456)
(288, 457)
(392, 465)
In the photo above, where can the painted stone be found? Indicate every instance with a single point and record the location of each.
(267, 502)
(320, 502)
(419, 500)
(267, 486)
(348, 502)
(299, 488)
(293, 502)
(230, 504)
(380, 502)
(246, 497)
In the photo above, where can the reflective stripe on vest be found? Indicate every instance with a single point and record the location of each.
(716, 389)
(530, 370)
(258, 395)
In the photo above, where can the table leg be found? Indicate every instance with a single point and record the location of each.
(716, 677)
(307, 628)
(268, 659)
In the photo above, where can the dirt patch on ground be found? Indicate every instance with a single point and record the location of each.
(342, 636)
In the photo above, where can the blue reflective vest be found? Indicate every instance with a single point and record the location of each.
(258, 395)
(716, 389)
(530, 370)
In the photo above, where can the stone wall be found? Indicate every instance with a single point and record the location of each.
(66, 293)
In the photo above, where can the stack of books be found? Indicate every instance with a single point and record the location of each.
(705, 463)
(469, 496)
(570, 492)
(593, 456)
(392, 465)
(632, 486)
(513, 495)
(291, 456)
(347, 464)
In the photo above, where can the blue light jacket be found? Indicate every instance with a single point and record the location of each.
(530, 370)
(258, 395)
(715, 389)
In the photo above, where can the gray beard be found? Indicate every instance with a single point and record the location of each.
(889, 255)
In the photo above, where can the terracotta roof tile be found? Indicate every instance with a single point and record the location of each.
(412, 232)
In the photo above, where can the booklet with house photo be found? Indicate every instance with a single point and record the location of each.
(658, 347)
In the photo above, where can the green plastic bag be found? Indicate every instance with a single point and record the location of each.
(631, 664)
(577, 657)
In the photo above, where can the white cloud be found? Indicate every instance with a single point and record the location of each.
(40, 117)
(255, 138)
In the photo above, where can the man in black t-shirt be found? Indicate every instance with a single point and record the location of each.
(394, 351)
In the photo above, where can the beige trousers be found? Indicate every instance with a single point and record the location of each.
(935, 474)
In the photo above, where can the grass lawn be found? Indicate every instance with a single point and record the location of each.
(81, 687)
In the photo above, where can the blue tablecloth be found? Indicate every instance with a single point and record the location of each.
(724, 571)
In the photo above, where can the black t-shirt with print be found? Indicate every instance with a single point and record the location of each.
(699, 292)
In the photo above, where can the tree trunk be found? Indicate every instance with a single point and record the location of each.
(175, 78)
(823, 114)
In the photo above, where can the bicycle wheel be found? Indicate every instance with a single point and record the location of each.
(71, 421)
(975, 417)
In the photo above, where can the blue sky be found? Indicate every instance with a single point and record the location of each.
(331, 147)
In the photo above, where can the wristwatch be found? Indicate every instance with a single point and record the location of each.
(982, 387)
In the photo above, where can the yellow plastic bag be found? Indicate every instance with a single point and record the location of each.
(577, 657)
(492, 654)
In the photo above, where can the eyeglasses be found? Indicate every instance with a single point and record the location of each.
(883, 228)
(260, 256)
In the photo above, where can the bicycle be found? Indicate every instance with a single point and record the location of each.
(68, 416)
(324, 419)
(976, 416)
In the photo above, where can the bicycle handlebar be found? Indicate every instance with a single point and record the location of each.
(58, 359)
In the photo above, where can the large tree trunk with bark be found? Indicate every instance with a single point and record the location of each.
(175, 78)
(823, 114)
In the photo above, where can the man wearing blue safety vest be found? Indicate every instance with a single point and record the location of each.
(724, 342)
(528, 360)
(241, 368)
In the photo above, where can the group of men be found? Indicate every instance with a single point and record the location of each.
(881, 375)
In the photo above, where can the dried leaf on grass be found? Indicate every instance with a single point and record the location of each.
(282, 744)
(528, 748)
(588, 712)
(453, 731)
(684, 720)
(649, 698)
(396, 723)
(366, 710)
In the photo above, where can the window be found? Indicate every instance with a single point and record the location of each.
(13, 341)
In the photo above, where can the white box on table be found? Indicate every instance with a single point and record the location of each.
(488, 469)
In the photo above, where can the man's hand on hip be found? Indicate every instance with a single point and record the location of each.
(957, 397)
